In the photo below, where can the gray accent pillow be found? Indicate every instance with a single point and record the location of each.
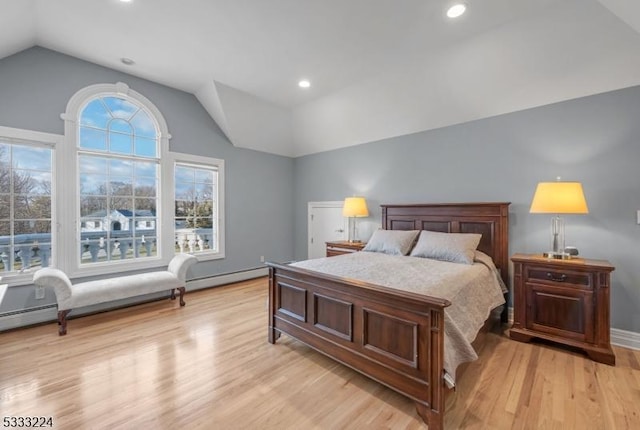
(454, 247)
(393, 242)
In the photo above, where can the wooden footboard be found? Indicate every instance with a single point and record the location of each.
(391, 336)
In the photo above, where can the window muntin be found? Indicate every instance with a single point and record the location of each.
(26, 174)
(196, 208)
(118, 175)
(119, 126)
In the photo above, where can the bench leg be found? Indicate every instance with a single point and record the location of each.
(173, 294)
(62, 322)
(182, 289)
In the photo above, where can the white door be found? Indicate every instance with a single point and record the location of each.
(326, 223)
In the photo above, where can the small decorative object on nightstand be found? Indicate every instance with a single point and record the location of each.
(565, 301)
(343, 247)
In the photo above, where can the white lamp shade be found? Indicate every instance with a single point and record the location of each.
(355, 207)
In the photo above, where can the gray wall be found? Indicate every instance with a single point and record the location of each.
(35, 86)
(595, 140)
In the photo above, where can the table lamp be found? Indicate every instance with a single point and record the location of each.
(558, 198)
(354, 207)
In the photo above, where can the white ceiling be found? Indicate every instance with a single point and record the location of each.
(379, 68)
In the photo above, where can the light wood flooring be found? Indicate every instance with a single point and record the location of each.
(209, 366)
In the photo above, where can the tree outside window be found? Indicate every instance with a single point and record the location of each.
(196, 207)
(25, 206)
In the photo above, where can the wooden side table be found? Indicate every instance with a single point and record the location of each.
(343, 247)
(565, 301)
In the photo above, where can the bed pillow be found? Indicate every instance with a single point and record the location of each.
(454, 247)
(393, 242)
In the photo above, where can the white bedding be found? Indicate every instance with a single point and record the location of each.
(473, 290)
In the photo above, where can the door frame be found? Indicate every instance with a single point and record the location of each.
(310, 206)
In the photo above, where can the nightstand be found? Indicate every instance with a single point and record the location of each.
(343, 247)
(565, 301)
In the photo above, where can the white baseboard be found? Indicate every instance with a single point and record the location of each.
(626, 339)
(44, 315)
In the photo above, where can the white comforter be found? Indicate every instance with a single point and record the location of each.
(473, 290)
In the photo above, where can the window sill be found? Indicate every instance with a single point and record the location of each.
(208, 256)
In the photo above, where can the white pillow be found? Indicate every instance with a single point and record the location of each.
(393, 242)
(454, 247)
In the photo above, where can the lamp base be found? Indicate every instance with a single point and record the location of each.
(556, 255)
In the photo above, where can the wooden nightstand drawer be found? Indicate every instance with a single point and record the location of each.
(559, 277)
(332, 252)
(343, 247)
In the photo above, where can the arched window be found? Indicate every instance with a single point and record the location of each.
(119, 172)
(117, 125)
(116, 138)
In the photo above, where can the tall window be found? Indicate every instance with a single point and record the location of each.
(118, 176)
(26, 173)
(196, 208)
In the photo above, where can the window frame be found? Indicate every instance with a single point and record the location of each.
(69, 260)
(206, 162)
(54, 142)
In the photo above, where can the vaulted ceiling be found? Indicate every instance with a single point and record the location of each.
(378, 68)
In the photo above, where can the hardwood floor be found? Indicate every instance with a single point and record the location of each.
(209, 366)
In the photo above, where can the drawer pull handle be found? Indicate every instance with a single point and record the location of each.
(560, 278)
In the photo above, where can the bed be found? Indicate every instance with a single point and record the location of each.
(393, 336)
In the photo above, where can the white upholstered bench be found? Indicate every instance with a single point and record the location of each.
(71, 296)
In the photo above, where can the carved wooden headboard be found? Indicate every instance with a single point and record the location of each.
(489, 219)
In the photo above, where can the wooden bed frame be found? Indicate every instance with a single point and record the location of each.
(392, 336)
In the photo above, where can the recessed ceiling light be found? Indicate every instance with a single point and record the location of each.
(125, 1)
(456, 10)
(304, 83)
(127, 61)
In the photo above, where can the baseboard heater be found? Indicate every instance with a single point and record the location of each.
(227, 278)
(49, 313)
